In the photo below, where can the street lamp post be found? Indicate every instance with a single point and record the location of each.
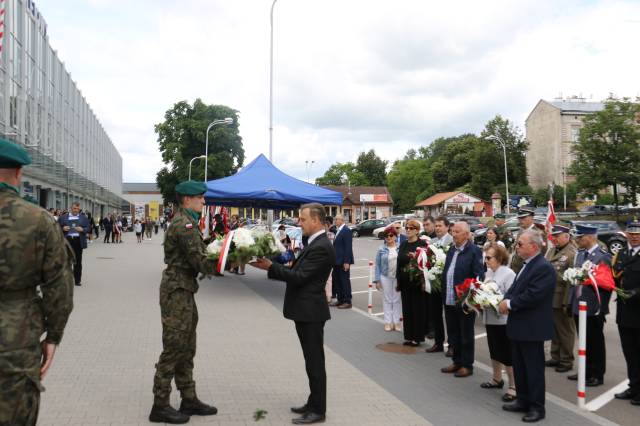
(191, 162)
(308, 165)
(506, 177)
(227, 121)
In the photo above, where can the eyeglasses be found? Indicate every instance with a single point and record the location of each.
(489, 257)
(412, 228)
(520, 243)
(397, 228)
(389, 236)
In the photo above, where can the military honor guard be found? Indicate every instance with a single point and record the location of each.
(562, 257)
(587, 240)
(626, 271)
(34, 254)
(504, 234)
(526, 222)
(185, 257)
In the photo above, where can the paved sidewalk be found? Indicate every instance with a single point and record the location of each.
(248, 354)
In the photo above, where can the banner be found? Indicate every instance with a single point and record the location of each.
(154, 210)
(139, 211)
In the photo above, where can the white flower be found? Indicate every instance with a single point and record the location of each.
(242, 238)
(215, 247)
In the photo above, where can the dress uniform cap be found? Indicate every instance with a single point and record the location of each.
(12, 155)
(499, 216)
(191, 187)
(585, 230)
(559, 229)
(525, 211)
(633, 227)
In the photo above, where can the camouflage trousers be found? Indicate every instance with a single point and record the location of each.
(20, 387)
(179, 321)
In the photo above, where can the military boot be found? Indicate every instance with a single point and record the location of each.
(167, 414)
(195, 407)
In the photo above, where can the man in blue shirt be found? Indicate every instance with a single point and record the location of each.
(75, 226)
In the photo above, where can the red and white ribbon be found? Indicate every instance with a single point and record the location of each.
(422, 258)
(224, 252)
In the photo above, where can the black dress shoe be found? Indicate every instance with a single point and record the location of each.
(627, 394)
(533, 416)
(551, 363)
(592, 381)
(300, 410)
(195, 407)
(308, 418)
(563, 368)
(573, 377)
(167, 414)
(515, 408)
(636, 400)
(449, 353)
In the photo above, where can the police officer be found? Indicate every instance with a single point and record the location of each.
(34, 254)
(562, 257)
(504, 234)
(184, 254)
(526, 222)
(587, 240)
(626, 270)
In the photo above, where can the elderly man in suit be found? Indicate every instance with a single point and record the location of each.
(343, 245)
(529, 303)
(305, 303)
(587, 239)
(464, 260)
(626, 270)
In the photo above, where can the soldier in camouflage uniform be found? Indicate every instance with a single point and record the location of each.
(525, 217)
(184, 254)
(33, 253)
(504, 234)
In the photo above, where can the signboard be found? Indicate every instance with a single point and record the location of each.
(154, 210)
(517, 201)
(460, 198)
(140, 211)
(373, 198)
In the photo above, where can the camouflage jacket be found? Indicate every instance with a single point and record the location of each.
(33, 253)
(184, 254)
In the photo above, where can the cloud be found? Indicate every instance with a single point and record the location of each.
(349, 76)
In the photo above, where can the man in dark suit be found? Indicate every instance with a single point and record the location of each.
(75, 226)
(587, 240)
(626, 270)
(305, 303)
(529, 302)
(464, 260)
(342, 243)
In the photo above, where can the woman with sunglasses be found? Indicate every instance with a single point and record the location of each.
(411, 287)
(385, 280)
(496, 259)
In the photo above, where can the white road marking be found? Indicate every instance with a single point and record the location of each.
(378, 314)
(359, 267)
(597, 403)
(359, 277)
(360, 292)
(481, 335)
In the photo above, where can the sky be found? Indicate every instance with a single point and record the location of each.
(349, 75)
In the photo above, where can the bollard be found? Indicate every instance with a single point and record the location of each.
(370, 302)
(582, 352)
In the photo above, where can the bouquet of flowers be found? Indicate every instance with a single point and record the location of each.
(478, 295)
(598, 276)
(238, 247)
(426, 266)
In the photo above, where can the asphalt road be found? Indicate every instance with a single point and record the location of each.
(599, 399)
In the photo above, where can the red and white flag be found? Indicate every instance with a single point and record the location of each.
(551, 218)
(2, 17)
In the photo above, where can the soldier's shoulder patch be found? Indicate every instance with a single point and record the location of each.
(189, 225)
(563, 258)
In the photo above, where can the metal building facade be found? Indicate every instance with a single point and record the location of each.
(42, 108)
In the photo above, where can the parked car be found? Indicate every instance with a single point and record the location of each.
(596, 210)
(287, 221)
(479, 236)
(378, 231)
(366, 227)
(608, 232)
(474, 222)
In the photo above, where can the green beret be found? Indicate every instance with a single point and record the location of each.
(499, 216)
(12, 155)
(191, 187)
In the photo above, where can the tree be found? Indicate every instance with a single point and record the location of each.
(373, 168)
(181, 137)
(607, 153)
(335, 175)
(409, 182)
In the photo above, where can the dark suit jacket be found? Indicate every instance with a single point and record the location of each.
(107, 224)
(305, 299)
(343, 245)
(531, 299)
(82, 221)
(588, 293)
(627, 270)
(468, 265)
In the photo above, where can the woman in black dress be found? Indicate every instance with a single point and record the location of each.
(411, 287)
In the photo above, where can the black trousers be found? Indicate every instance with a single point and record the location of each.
(427, 316)
(107, 235)
(413, 313)
(435, 316)
(630, 339)
(311, 335)
(77, 250)
(460, 329)
(341, 281)
(528, 371)
(596, 349)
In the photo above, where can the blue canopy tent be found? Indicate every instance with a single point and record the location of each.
(261, 184)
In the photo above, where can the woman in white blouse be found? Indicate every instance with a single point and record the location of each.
(496, 259)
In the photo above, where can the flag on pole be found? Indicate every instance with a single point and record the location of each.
(551, 218)
(2, 16)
